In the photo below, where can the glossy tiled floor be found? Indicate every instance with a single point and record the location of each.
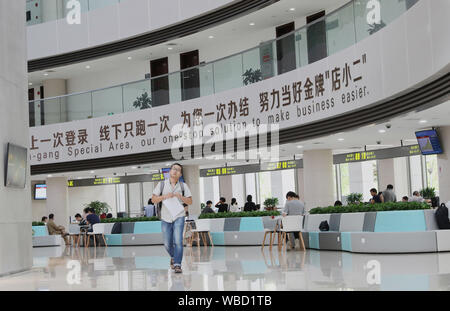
(228, 268)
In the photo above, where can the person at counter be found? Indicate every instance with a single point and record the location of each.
(405, 199)
(208, 208)
(234, 207)
(92, 219)
(416, 197)
(375, 197)
(149, 209)
(389, 194)
(222, 205)
(249, 205)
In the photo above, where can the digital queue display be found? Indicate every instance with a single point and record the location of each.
(429, 142)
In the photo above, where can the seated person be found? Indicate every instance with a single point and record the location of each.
(405, 199)
(54, 229)
(234, 208)
(375, 197)
(338, 203)
(92, 219)
(44, 219)
(249, 205)
(109, 215)
(208, 208)
(418, 198)
(293, 206)
(222, 206)
(82, 223)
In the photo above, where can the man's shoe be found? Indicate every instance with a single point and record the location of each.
(172, 264)
(178, 269)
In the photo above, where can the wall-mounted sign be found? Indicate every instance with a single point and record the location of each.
(379, 154)
(281, 165)
(101, 181)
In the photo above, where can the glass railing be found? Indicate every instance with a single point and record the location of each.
(324, 37)
(42, 11)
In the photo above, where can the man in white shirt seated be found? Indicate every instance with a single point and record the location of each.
(417, 198)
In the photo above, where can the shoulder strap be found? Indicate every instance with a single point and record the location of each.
(162, 187)
(182, 188)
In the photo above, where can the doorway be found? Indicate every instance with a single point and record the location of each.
(285, 48)
(160, 85)
(190, 79)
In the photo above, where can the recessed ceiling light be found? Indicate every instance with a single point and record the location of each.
(49, 176)
(299, 147)
(30, 83)
(341, 139)
(130, 58)
(170, 48)
(292, 9)
(88, 67)
(134, 167)
(92, 172)
(381, 131)
(45, 74)
(211, 37)
(80, 178)
(423, 121)
(252, 24)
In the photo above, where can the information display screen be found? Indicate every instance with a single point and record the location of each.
(429, 142)
(40, 192)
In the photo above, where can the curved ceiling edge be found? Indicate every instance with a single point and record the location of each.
(183, 29)
(427, 96)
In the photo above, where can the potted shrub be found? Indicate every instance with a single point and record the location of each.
(99, 207)
(143, 102)
(270, 204)
(428, 193)
(355, 198)
(251, 76)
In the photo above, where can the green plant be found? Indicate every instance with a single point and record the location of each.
(99, 207)
(251, 76)
(428, 193)
(239, 214)
(360, 208)
(38, 223)
(270, 203)
(143, 102)
(355, 198)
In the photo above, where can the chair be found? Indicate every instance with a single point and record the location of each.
(292, 224)
(74, 233)
(96, 229)
(202, 226)
(271, 227)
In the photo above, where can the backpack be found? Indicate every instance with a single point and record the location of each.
(441, 215)
(159, 206)
(324, 226)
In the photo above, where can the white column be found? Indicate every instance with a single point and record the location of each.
(386, 174)
(15, 206)
(443, 162)
(191, 175)
(318, 178)
(301, 184)
(226, 188)
(55, 109)
(57, 200)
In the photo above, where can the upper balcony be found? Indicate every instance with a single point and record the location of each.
(324, 37)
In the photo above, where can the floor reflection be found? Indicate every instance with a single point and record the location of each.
(228, 268)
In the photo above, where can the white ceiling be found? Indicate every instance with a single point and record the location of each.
(267, 18)
(402, 129)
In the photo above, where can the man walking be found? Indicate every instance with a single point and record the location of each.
(172, 226)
